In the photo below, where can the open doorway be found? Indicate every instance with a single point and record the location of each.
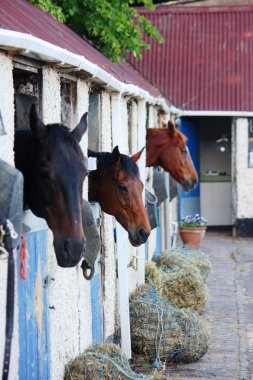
(209, 142)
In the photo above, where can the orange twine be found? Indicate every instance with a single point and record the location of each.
(23, 254)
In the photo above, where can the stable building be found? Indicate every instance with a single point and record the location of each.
(58, 314)
(204, 69)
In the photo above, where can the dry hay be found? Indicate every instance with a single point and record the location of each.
(187, 258)
(105, 361)
(183, 286)
(164, 333)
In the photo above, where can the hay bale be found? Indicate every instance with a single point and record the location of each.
(183, 286)
(164, 333)
(185, 258)
(105, 361)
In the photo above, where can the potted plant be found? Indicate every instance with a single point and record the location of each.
(192, 230)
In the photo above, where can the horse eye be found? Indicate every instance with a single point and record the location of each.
(123, 188)
(184, 152)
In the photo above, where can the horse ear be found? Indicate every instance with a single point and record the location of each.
(81, 127)
(171, 128)
(37, 126)
(137, 155)
(116, 155)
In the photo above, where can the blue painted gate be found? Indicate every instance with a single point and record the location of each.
(96, 290)
(189, 203)
(34, 350)
(96, 306)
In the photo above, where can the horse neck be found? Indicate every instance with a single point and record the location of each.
(24, 157)
(94, 183)
(157, 140)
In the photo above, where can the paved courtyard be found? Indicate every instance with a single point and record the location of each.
(230, 307)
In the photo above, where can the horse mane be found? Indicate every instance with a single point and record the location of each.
(105, 160)
(160, 131)
(58, 133)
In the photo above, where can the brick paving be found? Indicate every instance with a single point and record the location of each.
(230, 307)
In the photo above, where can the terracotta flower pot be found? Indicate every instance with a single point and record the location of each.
(192, 236)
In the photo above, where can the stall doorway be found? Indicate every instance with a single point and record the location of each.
(209, 142)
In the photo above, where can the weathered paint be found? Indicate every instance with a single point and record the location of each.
(69, 293)
(51, 101)
(205, 60)
(121, 236)
(69, 298)
(142, 114)
(96, 308)
(107, 226)
(152, 240)
(131, 135)
(7, 154)
(34, 345)
(244, 174)
(7, 108)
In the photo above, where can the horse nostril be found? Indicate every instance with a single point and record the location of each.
(66, 246)
(143, 234)
(195, 181)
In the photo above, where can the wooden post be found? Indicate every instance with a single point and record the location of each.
(121, 239)
(142, 165)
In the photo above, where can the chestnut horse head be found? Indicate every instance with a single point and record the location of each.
(116, 185)
(54, 168)
(166, 147)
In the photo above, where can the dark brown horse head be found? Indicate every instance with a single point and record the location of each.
(166, 147)
(116, 185)
(54, 169)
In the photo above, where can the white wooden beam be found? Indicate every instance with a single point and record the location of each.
(142, 115)
(121, 234)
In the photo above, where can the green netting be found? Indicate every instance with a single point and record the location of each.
(164, 333)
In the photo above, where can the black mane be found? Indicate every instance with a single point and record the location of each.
(58, 133)
(105, 160)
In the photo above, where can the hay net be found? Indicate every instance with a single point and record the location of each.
(102, 362)
(183, 286)
(181, 257)
(163, 332)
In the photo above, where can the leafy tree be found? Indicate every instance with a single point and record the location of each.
(114, 26)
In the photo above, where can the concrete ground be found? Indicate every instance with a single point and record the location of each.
(230, 306)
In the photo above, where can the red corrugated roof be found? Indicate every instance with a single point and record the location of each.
(21, 16)
(206, 60)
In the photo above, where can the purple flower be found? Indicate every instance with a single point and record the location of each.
(193, 221)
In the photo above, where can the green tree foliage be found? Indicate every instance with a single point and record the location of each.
(114, 26)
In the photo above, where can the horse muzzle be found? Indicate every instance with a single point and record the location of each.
(190, 184)
(138, 236)
(69, 251)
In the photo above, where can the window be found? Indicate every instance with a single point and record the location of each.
(250, 143)
(27, 86)
(94, 130)
(68, 101)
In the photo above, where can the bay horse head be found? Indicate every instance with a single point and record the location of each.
(54, 168)
(166, 147)
(116, 185)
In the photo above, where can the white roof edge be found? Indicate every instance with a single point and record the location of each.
(10, 39)
(180, 112)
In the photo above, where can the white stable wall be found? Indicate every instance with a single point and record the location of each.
(69, 293)
(152, 123)
(7, 154)
(244, 174)
(108, 223)
(130, 135)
